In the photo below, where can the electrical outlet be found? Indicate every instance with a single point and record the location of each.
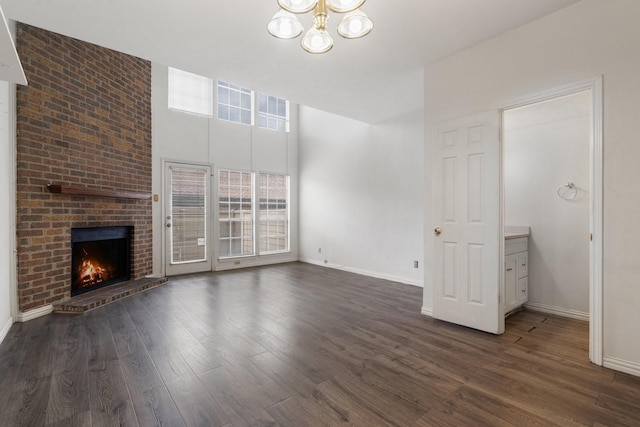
(415, 264)
(319, 250)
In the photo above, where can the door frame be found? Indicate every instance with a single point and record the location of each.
(209, 209)
(596, 162)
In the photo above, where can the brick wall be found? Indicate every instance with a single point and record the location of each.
(84, 120)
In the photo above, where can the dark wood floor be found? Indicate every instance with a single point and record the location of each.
(300, 345)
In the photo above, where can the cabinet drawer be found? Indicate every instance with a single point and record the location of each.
(513, 246)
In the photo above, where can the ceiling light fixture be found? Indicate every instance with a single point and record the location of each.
(285, 24)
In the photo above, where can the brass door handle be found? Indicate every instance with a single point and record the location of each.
(437, 230)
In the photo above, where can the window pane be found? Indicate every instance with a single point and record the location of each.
(223, 95)
(262, 102)
(234, 114)
(245, 117)
(273, 102)
(245, 101)
(234, 98)
(282, 108)
(223, 112)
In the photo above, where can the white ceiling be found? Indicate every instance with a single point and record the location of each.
(369, 79)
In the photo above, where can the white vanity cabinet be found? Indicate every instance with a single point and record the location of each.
(516, 264)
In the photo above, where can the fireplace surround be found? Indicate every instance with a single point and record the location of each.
(101, 256)
(84, 121)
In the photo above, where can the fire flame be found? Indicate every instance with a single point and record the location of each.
(90, 274)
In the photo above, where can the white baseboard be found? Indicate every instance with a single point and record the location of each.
(369, 273)
(625, 366)
(5, 329)
(34, 314)
(558, 311)
(236, 263)
(427, 311)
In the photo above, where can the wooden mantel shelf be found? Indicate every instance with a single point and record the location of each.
(97, 192)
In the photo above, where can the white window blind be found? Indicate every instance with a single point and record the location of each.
(190, 92)
(188, 213)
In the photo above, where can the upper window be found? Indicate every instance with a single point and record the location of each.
(235, 103)
(190, 92)
(273, 113)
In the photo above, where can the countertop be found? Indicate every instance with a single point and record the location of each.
(515, 231)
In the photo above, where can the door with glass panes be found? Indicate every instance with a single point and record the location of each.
(187, 218)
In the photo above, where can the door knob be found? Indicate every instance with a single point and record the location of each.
(437, 230)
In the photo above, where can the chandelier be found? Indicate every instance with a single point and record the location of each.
(285, 25)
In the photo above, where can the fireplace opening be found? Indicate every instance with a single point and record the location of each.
(101, 256)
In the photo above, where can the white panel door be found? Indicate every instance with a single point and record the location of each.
(466, 211)
(187, 212)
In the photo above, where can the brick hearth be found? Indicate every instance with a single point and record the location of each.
(90, 300)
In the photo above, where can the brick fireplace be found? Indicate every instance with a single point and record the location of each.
(84, 121)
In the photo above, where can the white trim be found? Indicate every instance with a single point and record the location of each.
(427, 311)
(25, 316)
(625, 366)
(254, 261)
(558, 311)
(369, 273)
(596, 349)
(5, 329)
(13, 261)
(595, 85)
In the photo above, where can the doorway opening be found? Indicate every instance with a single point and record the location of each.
(552, 187)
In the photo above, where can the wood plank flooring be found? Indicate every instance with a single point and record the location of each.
(301, 345)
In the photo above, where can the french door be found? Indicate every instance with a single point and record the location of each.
(187, 213)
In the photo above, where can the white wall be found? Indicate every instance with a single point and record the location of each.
(546, 145)
(588, 39)
(361, 194)
(190, 138)
(7, 211)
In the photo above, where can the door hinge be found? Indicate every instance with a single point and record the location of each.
(591, 237)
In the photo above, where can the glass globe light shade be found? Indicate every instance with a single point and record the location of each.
(297, 6)
(344, 6)
(354, 25)
(317, 41)
(284, 25)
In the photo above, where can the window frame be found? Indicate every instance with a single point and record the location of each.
(258, 220)
(240, 90)
(220, 219)
(286, 119)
